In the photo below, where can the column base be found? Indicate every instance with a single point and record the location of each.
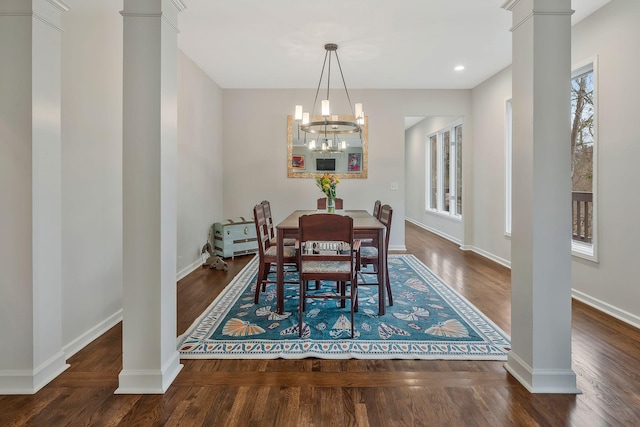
(555, 381)
(149, 381)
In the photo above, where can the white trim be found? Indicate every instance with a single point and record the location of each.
(397, 248)
(558, 381)
(488, 255)
(607, 308)
(149, 381)
(60, 5)
(179, 5)
(189, 269)
(31, 381)
(435, 231)
(85, 339)
(444, 214)
(583, 250)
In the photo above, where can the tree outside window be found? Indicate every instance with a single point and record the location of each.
(582, 150)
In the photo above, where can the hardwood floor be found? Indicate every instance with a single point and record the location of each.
(606, 354)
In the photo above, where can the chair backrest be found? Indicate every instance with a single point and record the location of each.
(325, 228)
(386, 213)
(376, 208)
(322, 203)
(266, 207)
(262, 231)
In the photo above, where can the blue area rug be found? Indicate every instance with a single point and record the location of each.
(428, 320)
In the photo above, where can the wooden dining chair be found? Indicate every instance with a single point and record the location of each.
(267, 252)
(376, 214)
(266, 206)
(322, 203)
(371, 256)
(376, 208)
(328, 252)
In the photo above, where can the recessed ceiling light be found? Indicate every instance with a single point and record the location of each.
(459, 68)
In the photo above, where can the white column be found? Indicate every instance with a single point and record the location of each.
(541, 231)
(150, 358)
(30, 195)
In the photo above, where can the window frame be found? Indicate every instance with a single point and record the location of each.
(454, 152)
(578, 249)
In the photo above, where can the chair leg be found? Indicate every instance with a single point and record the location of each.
(303, 285)
(354, 301)
(259, 283)
(342, 286)
(389, 295)
(381, 290)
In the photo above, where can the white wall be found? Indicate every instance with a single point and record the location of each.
(610, 284)
(488, 106)
(199, 161)
(255, 152)
(415, 170)
(91, 170)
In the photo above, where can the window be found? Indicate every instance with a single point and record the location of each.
(583, 156)
(433, 151)
(444, 171)
(583, 162)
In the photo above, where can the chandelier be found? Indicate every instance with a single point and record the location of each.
(325, 128)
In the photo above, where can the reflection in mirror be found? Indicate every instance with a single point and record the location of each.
(344, 156)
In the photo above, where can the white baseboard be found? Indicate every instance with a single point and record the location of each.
(30, 381)
(434, 231)
(83, 340)
(189, 269)
(607, 308)
(486, 254)
(557, 381)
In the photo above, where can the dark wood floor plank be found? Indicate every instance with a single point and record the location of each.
(314, 392)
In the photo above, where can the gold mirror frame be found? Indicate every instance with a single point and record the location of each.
(365, 155)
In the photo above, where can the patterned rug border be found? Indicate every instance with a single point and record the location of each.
(495, 347)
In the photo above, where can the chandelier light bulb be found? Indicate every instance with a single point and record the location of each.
(358, 112)
(312, 144)
(298, 114)
(305, 118)
(326, 111)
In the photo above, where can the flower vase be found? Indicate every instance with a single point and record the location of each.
(331, 204)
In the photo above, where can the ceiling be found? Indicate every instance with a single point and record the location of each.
(406, 44)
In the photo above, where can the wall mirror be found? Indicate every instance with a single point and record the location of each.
(304, 161)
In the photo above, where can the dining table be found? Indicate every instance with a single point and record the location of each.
(365, 226)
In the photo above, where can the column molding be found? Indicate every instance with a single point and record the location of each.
(31, 256)
(150, 360)
(540, 358)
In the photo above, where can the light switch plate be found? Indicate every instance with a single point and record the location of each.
(394, 186)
